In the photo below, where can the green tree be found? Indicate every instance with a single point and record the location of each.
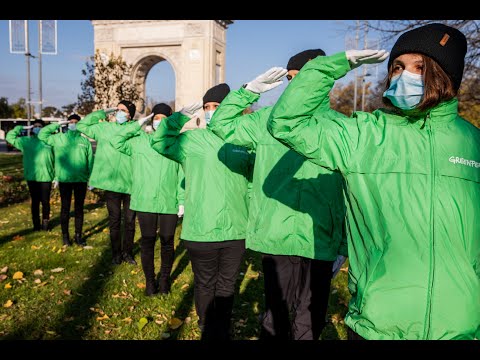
(49, 111)
(5, 109)
(108, 80)
(19, 109)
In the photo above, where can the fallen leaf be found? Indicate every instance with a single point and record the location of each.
(188, 319)
(51, 332)
(59, 269)
(18, 237)
(107, 332)
(8, 304)
(38, 272)
(334, 291)
(3, 277)
(133, 272)
(141, 286)
(104, 317)
(33, 247)
(159, 322)
(37, 281)
(185, 286)
(88, 247)
(18, 275)
(127, 320)
(165, 335)
(71, 318)
(4, 269)
(67, 292)
(141, 323)
(8, 286)
(175, 323)
(253, 276)
(59, 251)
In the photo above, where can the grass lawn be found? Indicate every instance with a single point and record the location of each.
(52, 292)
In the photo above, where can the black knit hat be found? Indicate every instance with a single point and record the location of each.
(296, 62)
(444, 44)
(130, 106)
(38, 121)
(216, 93)
(74, 117)
(162, 108)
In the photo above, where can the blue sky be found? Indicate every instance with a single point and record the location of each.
(253, 46)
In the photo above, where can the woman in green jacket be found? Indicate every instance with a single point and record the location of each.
(412, 174)
(38, 169)
(157, 194)
(112, 172)
(73, 165)
(296, 213)
(217, 175)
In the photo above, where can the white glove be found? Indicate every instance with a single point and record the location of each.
(181, 210)
(63, 122)
(360, 57)
(267, 81)
(55, 183)
(337, 264)
(191, 109)
(28, 127)
(144, 119)
(110, 110)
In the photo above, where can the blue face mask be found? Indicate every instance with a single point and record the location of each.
(36, 130)
(208, 115)
(72, 127)
(406, 90)
(155, 124)
(121, 117)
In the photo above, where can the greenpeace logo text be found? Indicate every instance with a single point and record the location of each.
(462, 161)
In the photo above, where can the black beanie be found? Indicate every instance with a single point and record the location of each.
(162, 108)
(296, 62)
(39, 121)
(74, 117)
(444, 44)
(130, 106)
(216, 93)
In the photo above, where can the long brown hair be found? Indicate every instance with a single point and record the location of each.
(438, 87)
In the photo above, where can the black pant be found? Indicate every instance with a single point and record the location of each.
(114, 204)
(79, 190)
(40, 193)
(215, 268)
(352, 335)
(148, 226)
(296, 297)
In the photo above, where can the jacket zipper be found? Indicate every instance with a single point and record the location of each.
(432, 228)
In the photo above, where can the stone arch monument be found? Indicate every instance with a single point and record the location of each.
(194, 48)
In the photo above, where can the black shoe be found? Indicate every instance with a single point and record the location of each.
(66, 240)
(79, 240)
(45, 225)
(117, 259)
(164, 285)
(128, 258)
(151, 288)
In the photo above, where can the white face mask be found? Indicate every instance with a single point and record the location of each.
(72, 127)
(155, 124)
(208, 115)
(36, 130)
(406, 90)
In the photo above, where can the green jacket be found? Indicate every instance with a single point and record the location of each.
(413, 191)
(73, 153)
(112, 170)
(216, 180)
(38, 160)
(296, 207)
(157, 181)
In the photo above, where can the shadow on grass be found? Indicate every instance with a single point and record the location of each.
(84, 297)
(54, 221)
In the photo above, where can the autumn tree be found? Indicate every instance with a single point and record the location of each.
(5, 109)
(107, 81)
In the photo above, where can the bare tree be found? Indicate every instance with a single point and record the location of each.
(108, 81)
